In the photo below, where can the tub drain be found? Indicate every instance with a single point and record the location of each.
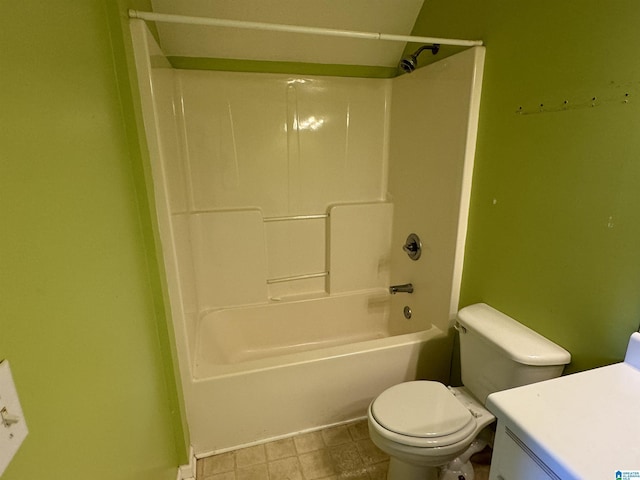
(407, 313)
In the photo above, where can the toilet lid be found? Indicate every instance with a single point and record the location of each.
(420, 409)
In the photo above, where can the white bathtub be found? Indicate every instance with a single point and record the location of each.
(270, 371)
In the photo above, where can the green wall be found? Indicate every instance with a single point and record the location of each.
(554, 236)
(82, 319)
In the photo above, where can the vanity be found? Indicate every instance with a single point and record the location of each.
(584, 426)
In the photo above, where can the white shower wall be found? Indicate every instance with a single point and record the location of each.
(270, 146)
(433, 127)
(242, 153)
(285, 145)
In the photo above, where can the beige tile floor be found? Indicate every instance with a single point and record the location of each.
(336, 453)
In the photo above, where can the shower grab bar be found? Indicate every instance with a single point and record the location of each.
(296, 277)
(295, 217)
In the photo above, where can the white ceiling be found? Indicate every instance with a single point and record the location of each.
(383, 16)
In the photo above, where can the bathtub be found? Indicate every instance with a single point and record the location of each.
(269, 371)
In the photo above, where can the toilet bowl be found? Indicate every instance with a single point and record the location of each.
(423, 425)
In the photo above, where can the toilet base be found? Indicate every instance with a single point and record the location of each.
(399, 470)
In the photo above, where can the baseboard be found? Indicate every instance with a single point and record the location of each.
(188, 472)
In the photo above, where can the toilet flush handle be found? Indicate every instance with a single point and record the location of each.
(460, 328)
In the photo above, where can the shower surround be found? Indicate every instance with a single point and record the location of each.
(283, 203)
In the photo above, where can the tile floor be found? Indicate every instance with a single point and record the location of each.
(336, 453)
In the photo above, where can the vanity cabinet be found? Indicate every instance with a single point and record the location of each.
(513, 460)
(582, 426)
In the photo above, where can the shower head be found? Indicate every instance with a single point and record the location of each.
(410, 63)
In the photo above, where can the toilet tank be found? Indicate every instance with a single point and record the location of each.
(497, 352)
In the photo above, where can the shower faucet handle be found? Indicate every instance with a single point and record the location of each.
(410, 247)
(413, 246)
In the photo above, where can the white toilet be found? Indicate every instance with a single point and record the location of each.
(424, 425)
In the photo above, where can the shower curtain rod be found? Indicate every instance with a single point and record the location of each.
(220, 22)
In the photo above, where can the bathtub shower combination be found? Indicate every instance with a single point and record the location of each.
(283, 205)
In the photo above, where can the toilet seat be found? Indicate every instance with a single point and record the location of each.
(422, 414)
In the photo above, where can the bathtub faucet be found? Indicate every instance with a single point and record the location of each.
(406, 288)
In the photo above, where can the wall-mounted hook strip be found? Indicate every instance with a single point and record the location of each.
(611, 94)
(565, 105)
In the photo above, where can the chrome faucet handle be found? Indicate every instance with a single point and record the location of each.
(410, 248)
(413, 246)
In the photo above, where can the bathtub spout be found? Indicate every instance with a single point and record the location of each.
(406, 288)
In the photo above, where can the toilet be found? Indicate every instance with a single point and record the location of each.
(425, 425)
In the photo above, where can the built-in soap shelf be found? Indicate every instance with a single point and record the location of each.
(245, 257)
(300, 275)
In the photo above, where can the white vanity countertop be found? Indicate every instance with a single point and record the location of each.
(584, 426)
